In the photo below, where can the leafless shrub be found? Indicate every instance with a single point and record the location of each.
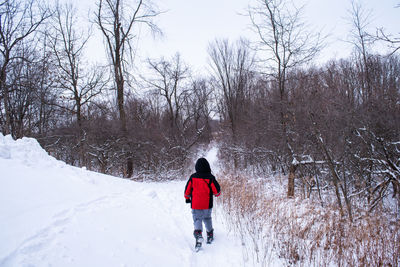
(301, 232)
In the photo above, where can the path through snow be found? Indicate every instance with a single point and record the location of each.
(52, 214)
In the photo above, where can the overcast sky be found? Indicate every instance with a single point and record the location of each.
(190, 25)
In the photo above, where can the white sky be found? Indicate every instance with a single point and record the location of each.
(189, 26)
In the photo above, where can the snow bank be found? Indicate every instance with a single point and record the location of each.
(53, 214)
(26, 151)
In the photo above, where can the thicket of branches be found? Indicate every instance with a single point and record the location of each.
(97, 116)
(340, 139)
(333, 127)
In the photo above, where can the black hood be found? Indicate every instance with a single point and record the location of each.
(202, 166)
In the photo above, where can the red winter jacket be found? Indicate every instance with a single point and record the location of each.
(200, 188)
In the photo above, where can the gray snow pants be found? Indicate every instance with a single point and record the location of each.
(200, 216)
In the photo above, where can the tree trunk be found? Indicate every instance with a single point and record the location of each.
(335, 176)
(291, 176)
(5, 96)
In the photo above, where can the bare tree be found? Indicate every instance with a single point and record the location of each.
(185, 103)
(22, 80)
(77, 82)
(362, 40)
(392, 41)
(168, 79)
(45, 94)
(118, 23)
(233, 68)
(200, 106)
(287, 44)
(19, 20)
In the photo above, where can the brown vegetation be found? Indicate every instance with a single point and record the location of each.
(302, 232)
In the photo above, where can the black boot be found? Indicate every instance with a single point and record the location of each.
(210, 236)
(198, 235)
(199, 239)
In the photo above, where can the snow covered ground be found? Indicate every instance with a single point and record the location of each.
(53, 214)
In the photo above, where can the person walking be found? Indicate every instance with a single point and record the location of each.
(199, 191)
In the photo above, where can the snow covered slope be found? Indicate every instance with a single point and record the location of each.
(52, 214)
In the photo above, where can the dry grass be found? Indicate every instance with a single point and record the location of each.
(301, 233)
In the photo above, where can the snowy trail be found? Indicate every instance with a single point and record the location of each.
(52, 214)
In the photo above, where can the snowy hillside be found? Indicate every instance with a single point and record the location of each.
(52, 214)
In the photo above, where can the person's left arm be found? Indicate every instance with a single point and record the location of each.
(215, 187)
